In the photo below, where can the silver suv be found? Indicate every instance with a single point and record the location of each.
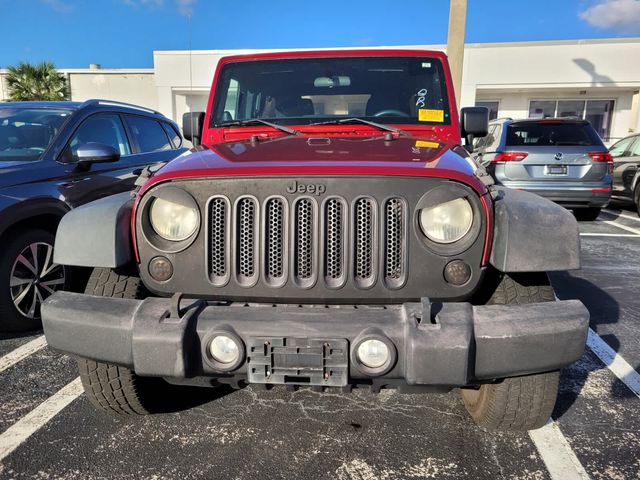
(563, 160)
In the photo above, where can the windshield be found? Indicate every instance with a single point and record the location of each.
(25, 133)
(552, 134)
(401, 90)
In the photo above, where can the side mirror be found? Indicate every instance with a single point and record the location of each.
(474, 123)
(192, 125)
(92, 152)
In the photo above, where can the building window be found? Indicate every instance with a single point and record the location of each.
(492, 106)
(542, 108)
(598, 112)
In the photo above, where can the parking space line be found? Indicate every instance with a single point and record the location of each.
(624, 227)
(557, 454)
(621, 235)
(20, 353)
(20, 431)
(620, 214)
(614, 362)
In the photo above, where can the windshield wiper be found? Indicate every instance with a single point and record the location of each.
(251, 121)
(366, 122)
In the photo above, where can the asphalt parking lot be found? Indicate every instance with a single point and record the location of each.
(48, 430)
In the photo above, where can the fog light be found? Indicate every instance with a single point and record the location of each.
(224, 349)
(457, 272)
(373, 353)
(160, 269)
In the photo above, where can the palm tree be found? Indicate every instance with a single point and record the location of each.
(28, 81)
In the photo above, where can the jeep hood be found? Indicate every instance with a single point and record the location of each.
(319, 155)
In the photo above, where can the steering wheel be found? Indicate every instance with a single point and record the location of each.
(391, 112)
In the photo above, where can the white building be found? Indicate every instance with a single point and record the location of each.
(135, 85)
(594, 79)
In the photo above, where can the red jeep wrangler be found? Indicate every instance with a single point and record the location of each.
(329, 231)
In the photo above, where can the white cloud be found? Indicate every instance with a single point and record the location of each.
(621, 15)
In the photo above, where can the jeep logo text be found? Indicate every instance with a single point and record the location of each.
(316, 189)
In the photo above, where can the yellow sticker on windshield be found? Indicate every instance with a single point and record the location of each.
(426, 144)
(426, 115)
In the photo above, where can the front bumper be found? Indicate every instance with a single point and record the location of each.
(451, 344)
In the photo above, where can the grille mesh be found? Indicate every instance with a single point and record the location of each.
(394, 222)
(333, 239)
(304, 239)
(246, 237)
(364, 239)
(218, 237)
(274, 239)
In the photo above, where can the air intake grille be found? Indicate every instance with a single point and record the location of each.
(304, 231)
(274, 239)
(303, 242)
(334, 241)
(219, 215)
(364, 241)
(246, 238)
(394, 248)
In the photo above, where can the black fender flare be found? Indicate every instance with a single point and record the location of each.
(533, 234)
(97, 234)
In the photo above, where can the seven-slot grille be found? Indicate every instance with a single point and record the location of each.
(306, 241)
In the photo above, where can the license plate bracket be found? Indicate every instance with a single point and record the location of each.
(556, 170)
(298, 361)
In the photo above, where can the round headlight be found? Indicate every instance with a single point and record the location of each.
(224, 349)
(373, 353)
(173, 221)
(447, 222)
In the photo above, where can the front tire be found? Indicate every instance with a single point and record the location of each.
(518, 403)
(110, 388)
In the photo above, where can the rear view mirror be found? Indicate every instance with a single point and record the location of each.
(91, 152)
(330, 82)
(192, 126)
(474, 123)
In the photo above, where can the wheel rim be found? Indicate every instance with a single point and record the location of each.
(34, 277)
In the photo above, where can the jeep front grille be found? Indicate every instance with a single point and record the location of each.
(308, 241)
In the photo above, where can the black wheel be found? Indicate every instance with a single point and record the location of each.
(636, 197)
(27, 277)
(111, 388)
(519, 403)
(587, 214)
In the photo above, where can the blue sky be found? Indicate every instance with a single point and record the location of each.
(124, 33)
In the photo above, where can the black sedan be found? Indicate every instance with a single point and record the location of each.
(55, 156)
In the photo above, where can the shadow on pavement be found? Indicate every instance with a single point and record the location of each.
(11, 335)
(604, 310)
